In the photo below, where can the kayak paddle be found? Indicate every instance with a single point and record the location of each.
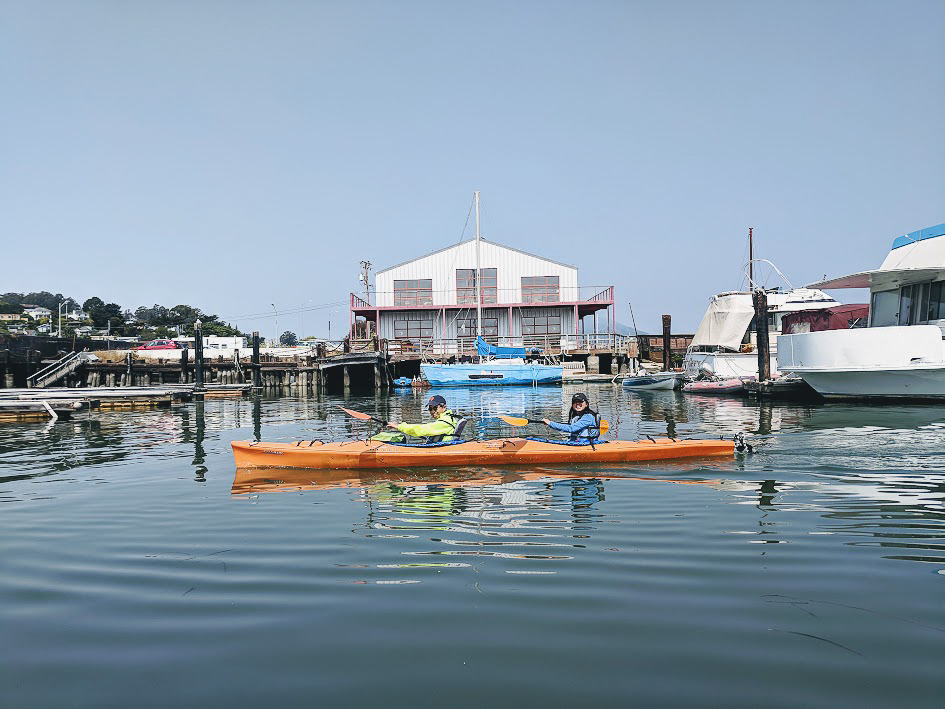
(514, 421)
(362, 416)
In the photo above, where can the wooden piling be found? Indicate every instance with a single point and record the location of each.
(198, 357)
(257, 378)
(667, 329)
(760, 301)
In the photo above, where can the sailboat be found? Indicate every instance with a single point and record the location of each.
(497, 365)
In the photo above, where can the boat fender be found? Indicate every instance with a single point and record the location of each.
(741, 446)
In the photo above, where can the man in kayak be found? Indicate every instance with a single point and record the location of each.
(441, 428)
(583, 423)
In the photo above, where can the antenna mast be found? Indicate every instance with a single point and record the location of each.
(751, 262)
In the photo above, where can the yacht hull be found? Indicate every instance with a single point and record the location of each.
(907, 383)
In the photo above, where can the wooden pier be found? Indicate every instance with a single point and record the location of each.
(205, 375)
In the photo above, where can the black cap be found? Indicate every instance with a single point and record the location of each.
(579, 397)
(436, 400)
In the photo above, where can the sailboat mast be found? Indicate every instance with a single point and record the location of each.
(478, 276)
(751, 262)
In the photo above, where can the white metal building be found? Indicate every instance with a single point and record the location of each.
(526, 300)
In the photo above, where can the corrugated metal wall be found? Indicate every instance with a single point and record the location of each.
(510, 265)
(388, 317)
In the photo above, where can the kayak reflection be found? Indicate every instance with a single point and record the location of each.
(254, 480)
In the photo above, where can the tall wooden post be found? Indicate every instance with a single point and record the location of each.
(257, 418)
(129, 370)
(667, 328)
(760, 300)
(198, 359)
(184, 362)
(257, 373)
(380, 375)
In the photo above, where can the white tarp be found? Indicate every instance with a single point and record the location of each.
(725, 322)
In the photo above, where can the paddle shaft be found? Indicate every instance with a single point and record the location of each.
(517, 421)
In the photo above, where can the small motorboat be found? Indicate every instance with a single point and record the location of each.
(733, 385)
(501, 451)
(651, 382)
(402, 382)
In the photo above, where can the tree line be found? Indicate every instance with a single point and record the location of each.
(145, 322)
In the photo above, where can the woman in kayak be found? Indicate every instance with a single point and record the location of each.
(441, 428)
(583, 423)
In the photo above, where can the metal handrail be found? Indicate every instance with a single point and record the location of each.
(58, 364)
(428, 348)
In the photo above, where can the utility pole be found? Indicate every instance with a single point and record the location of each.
(365, 278)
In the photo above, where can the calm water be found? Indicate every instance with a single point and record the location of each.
(139, 569)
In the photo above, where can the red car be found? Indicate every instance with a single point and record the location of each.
(160, 345)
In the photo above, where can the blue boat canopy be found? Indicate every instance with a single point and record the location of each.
(487, 350)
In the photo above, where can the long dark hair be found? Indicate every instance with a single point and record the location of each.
(572, 414)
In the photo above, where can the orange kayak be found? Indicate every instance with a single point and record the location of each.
(502, 451)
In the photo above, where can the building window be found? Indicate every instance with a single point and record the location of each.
(466, 286)
(467, 328)
(466, 332)
(413, 326)
(541, 325)
(540, 289)
(418, 291)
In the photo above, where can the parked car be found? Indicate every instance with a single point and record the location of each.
(159, 345)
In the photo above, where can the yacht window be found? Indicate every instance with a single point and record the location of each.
(936, 297)
(884, 308)
(921, 310)
(905, 305)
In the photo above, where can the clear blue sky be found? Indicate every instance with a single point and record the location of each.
(238, 154)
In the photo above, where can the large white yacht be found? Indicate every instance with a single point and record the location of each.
(725, 343)
(901, 354)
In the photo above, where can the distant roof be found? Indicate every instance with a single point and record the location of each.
(494, 243)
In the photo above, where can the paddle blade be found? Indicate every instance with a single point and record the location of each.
(513, 421)
(356, 414)
(604, 426)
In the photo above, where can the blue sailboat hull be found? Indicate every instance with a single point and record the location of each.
(491, 374)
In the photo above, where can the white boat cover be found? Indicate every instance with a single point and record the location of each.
(725, 322)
